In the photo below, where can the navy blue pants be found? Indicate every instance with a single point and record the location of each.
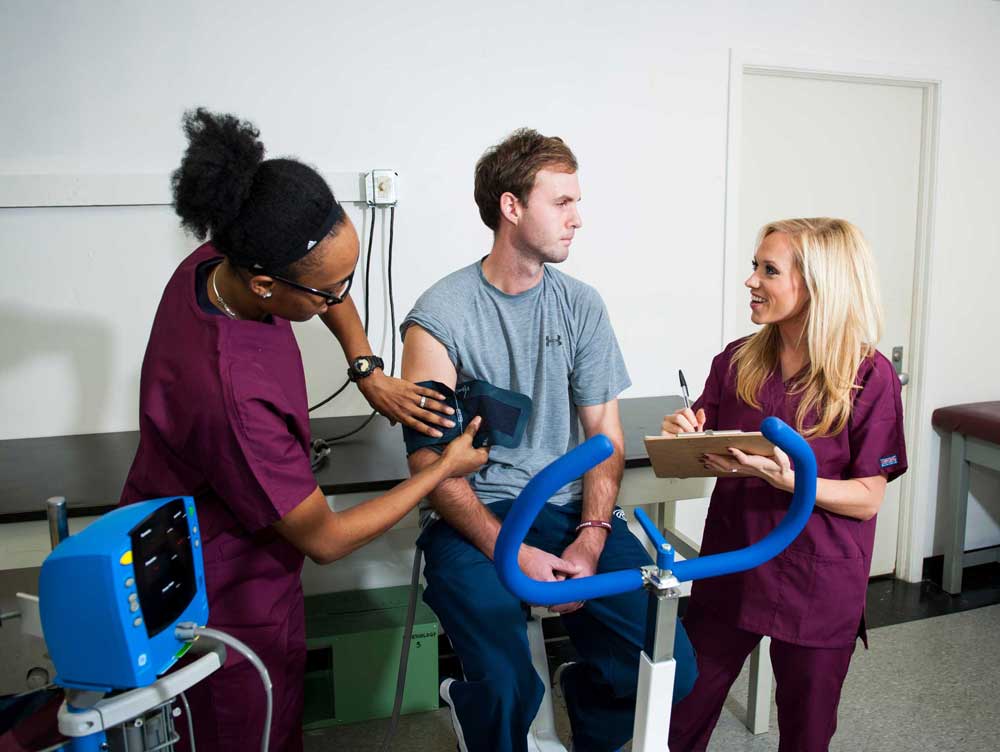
(500, 695)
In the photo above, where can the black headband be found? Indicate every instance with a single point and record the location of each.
(294, 254)
(324, 229)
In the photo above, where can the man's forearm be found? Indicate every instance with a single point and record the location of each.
(600, 491)
(601, 485)
(459, 506)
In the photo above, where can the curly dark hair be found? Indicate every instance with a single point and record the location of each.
(511, 166)
(256, 211)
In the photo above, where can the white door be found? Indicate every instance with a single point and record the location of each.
(847, 148)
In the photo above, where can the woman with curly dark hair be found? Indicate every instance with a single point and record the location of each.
(224, 416)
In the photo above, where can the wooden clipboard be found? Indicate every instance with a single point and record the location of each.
(678, 456)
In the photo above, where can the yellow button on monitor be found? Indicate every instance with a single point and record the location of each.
(126, 558)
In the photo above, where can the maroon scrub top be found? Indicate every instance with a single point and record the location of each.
(813, 593)
(223, 417)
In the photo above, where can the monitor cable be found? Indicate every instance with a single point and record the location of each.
(189, 632)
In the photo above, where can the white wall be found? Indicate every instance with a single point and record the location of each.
(639, 91)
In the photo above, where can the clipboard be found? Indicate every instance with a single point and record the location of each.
(678, 456)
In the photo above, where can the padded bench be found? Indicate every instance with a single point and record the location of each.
(975, 439)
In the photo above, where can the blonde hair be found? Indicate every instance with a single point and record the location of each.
(843, 323)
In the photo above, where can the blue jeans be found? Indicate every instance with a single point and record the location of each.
(500, 695)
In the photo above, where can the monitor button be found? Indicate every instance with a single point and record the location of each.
(137, 622)
(126, 559)
(129, 581)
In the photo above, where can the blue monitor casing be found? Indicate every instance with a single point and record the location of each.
(111, 595)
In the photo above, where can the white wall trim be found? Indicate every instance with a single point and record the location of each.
(913, 519)
(150, 189)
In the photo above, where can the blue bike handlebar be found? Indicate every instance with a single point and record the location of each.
(526, 507)
(590, 454)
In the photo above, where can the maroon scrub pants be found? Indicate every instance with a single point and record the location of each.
(808, 683)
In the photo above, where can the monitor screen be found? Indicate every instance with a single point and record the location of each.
(164, 567)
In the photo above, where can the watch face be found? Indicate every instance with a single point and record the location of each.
(363, 366)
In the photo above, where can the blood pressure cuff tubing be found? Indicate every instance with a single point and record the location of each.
(505, 416)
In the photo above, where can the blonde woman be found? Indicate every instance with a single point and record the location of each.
(814, 365)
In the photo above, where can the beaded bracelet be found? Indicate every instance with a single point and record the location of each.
(594, 523)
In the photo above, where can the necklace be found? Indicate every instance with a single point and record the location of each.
(225, 306)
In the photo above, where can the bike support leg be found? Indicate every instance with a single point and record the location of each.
(654, 697)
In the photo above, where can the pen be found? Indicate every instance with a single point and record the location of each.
(684, 389)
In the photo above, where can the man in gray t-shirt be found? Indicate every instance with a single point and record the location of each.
(553, 342)
(517, 323)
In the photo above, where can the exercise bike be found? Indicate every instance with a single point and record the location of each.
(661, 580)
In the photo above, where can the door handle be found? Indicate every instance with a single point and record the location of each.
(897, 364)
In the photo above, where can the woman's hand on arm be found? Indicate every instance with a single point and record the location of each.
(325, 535)
(400, 401)
(859, 498)
(396, 399)
(460, 458)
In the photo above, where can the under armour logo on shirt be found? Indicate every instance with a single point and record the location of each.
(556, 340)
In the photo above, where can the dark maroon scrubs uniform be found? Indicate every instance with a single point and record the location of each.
(809, 599)
(223, 417)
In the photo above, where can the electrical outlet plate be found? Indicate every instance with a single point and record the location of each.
(382, 187)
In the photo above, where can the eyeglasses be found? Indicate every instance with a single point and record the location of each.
(329, 298)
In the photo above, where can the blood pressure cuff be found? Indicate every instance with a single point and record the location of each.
(505, 416)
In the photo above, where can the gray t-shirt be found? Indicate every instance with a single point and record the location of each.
(553, 343)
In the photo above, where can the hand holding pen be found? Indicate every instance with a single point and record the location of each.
(684, 420)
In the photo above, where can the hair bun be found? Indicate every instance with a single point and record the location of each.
(216, 172)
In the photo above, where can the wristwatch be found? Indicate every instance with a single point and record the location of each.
(363, 366)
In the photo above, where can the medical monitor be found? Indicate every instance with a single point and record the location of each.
(111, 595)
